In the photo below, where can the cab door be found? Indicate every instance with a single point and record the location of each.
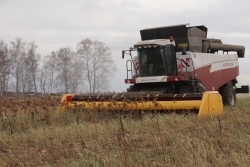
(170, 59)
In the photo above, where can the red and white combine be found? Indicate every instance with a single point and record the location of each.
(176, 68)
(181, 59)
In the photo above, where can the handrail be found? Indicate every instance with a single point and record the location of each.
(130, 68)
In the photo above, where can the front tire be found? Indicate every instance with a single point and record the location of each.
(228, 94)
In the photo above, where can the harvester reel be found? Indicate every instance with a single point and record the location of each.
(134, 103)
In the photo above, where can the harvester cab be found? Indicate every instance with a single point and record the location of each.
(154, 58)
(176, 68)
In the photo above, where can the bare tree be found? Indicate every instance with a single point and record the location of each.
(77, 82)
(61, 72)
(99, 65)
(17, 52)
(48, 73)
(4, 67)
(66, 67)
(43, 80)
(31, 66)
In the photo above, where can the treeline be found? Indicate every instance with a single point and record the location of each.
(22, 69)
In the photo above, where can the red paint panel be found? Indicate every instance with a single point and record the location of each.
(174, 78)
(68, 99)
(215, 79)
(171, 79)
(129, 81)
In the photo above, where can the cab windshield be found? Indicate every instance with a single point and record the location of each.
(157, 61)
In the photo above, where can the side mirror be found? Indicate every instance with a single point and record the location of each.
(123, 54)
(184, 51)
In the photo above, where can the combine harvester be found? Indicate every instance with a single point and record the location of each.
(176, 68)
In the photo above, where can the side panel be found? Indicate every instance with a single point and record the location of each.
(151, 79)
(185, 61)
(214, 70)
(214, 80)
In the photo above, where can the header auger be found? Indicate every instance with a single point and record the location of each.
(176, 68)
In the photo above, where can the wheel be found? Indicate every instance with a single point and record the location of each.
(130, 88)
(228, 94)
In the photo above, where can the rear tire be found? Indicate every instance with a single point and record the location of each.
(228, 94)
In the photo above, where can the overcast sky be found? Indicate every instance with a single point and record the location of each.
(53, 24)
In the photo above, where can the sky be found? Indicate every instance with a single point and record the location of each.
(54, 24)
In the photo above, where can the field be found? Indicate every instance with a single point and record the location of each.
(33, 134)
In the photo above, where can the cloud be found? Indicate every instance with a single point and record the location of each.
(53, 24)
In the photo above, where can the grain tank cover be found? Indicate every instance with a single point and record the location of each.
(194, 39)
(189, 37)
(159, 42)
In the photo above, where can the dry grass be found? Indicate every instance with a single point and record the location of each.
(32, 134)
